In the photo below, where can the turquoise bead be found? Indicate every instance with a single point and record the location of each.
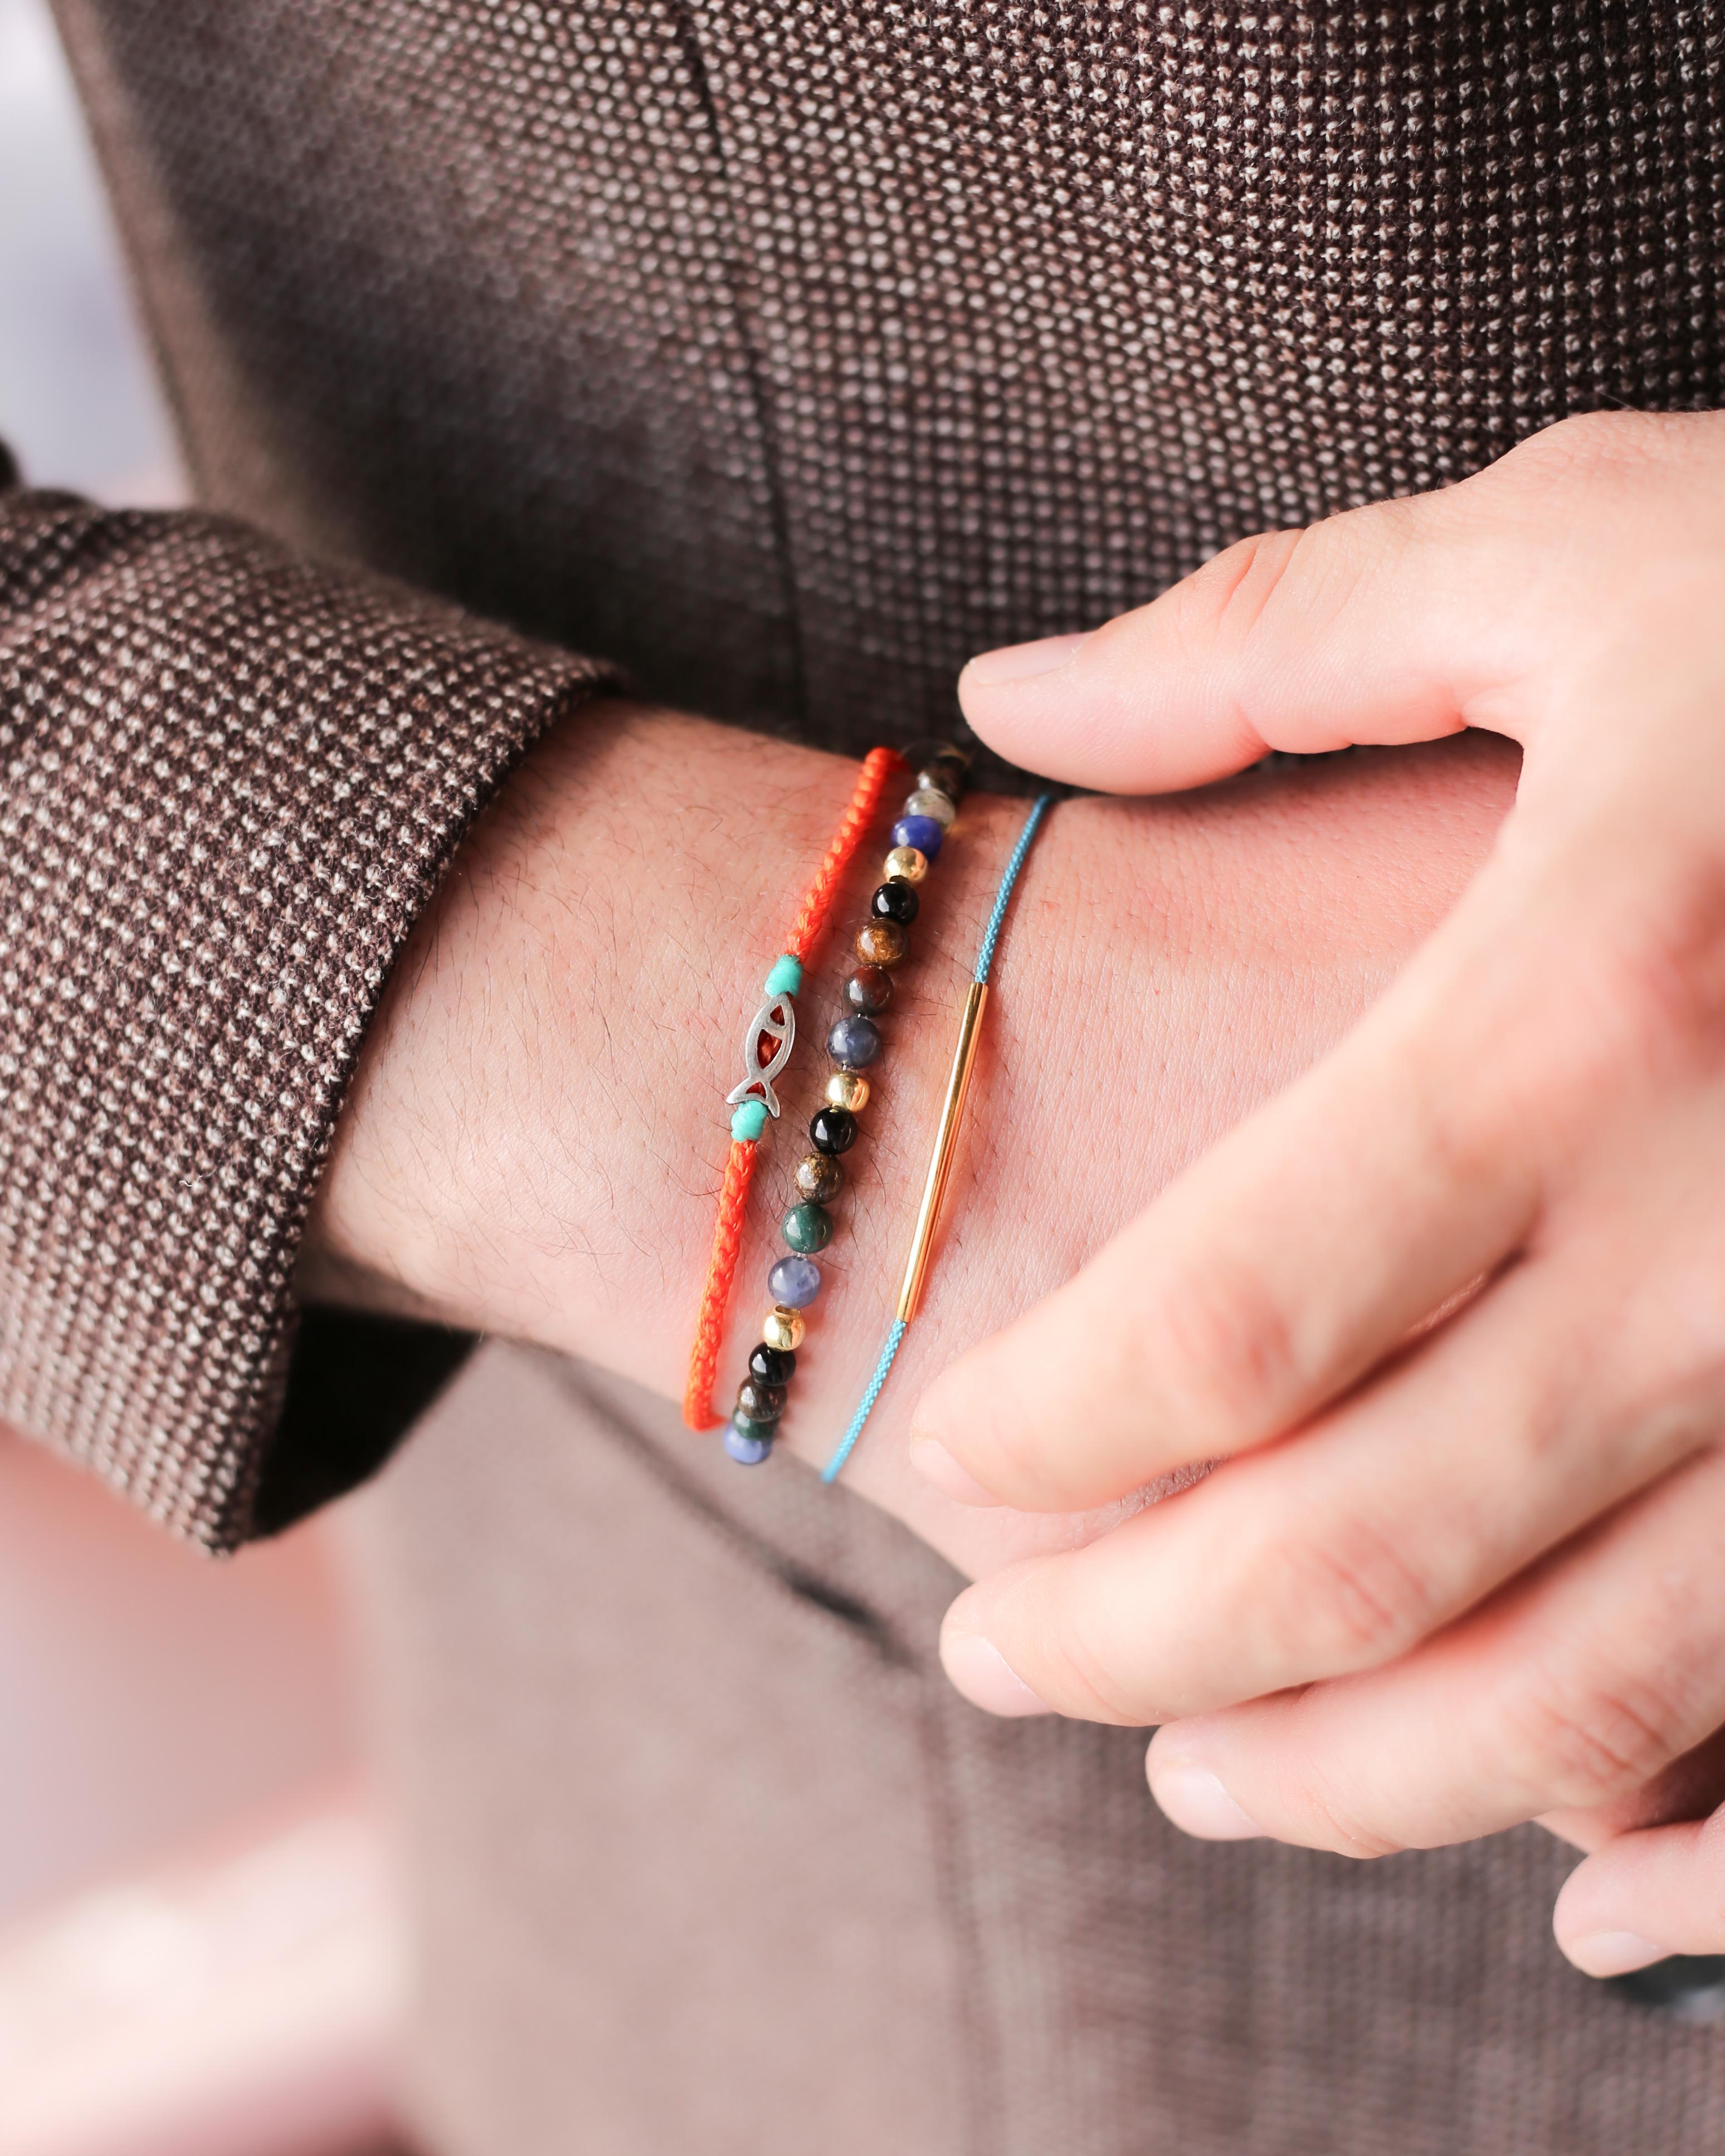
(749, 1120)
(806, 1228)
(786, 977)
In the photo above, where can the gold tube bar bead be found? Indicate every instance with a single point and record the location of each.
(945, 1143)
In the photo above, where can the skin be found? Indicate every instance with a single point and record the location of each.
(1450, 1307)
(535, 1139)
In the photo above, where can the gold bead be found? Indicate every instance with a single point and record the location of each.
(906, 864)
(783, 1328)
(848, 1088)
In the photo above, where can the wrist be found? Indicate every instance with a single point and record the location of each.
(538, 1129)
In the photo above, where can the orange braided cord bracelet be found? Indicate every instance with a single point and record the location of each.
(754, 1100)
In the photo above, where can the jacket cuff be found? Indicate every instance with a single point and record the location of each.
(230, 780)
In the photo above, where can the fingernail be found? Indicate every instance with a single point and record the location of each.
(1613, 1953)
(1019, 662)
(1196, 1801)
(931, 1458)
(978, 1669)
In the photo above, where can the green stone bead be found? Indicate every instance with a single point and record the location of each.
(806, 1228)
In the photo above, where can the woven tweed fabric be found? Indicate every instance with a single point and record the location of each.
(790, 350)
(786, 351)
(897, 1926)
(231, 781)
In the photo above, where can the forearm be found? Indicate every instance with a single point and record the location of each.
(535, 1136)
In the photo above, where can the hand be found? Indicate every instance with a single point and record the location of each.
(1452, 1307)
(536, 1132)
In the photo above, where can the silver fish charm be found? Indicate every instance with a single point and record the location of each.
(776, 1020)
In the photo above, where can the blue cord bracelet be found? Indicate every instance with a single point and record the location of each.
(945, 1140)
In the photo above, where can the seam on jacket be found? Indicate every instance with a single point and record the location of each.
(688, 37)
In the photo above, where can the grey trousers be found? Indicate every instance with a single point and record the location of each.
(707, 1860)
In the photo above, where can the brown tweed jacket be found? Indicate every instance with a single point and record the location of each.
(783, 351)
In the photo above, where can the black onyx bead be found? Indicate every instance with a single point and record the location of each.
(943, 774)
(869, 989)
(772, 1366)
(924, 755)
(895, 902)
(832, 1130)
(758, 1404)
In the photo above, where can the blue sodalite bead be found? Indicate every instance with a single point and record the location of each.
(794, 1281)
(921, 832)
(746, 1450)
(854, 1042)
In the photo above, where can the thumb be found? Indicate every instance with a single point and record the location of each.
(1392, 623)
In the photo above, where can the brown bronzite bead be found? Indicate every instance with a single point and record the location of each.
(819, 1176)
(881, 943)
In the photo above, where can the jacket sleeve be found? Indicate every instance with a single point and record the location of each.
(230, 778)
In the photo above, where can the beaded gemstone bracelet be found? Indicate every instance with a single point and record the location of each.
(754, 1100)
(946, 1142)
(855, 1044)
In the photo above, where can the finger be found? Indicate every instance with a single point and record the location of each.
(1303, 1248)
(1343, 1547)
(1293, 1255)
(1688, 1789)
(1184, 690)
(1572, 1689)
(1645, 1895)
(1401, 621)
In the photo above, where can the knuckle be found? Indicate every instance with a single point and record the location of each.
(1218, 1349)
(1578, 448)
(1591, 1740)
(1226, 595)
(1344, 1599)
(1254, 590)
(1658, 968)
(1645, 465)
(1623, 995)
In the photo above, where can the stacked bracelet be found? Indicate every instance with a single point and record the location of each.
(766, 1050)
(940, 1166)
(854, 1042)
